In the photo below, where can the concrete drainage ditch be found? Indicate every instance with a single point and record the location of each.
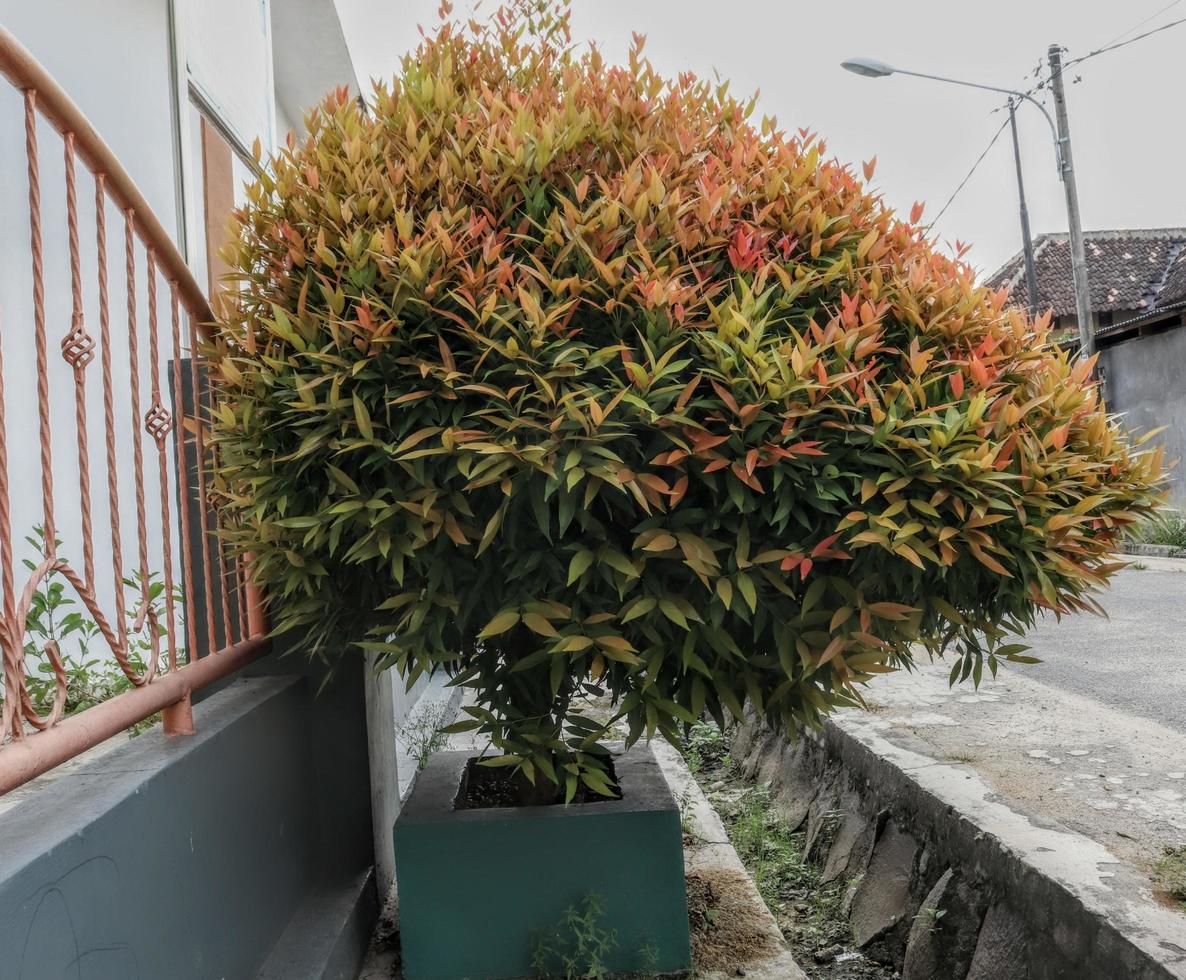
(948, 883)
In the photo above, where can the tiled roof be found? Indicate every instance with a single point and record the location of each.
(1174, 290)
(1135, 271)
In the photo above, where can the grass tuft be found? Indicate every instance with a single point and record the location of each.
(809, 912)
(1170, 872)
(1168, 530)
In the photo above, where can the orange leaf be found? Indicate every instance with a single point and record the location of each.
(832, 650)
(824, 545)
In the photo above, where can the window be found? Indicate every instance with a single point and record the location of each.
(220, 173)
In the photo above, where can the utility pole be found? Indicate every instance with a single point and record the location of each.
(1078, 252)
(1027, 245)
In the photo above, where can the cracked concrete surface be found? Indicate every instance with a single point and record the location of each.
(1084, 866)
(1113, 777)
(1094, 737)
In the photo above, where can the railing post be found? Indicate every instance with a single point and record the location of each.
(179, 718)
(257, 617)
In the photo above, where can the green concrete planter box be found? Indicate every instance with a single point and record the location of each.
(477, 886)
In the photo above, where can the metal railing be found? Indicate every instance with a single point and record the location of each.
(171, 626)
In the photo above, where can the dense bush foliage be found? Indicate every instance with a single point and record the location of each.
(574, 380)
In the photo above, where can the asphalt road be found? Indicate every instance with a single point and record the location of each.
(1135, 660)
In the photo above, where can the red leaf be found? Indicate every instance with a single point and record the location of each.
(824, 545)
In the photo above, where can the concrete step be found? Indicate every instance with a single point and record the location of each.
(327, 937)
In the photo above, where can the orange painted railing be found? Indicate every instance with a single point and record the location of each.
(171, 626)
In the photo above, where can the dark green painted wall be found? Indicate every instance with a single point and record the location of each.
(187, 857)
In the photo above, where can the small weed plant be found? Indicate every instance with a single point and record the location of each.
(422, 732)
(576, 947)
(57, 619)
(686, 822)
(930, 917)
(706, 749)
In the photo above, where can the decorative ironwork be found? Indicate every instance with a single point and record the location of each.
(174, 626)
(158, 423)
(78, 347)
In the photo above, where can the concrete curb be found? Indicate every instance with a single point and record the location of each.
(1151, 551)
(712, 849)
(1020, 898)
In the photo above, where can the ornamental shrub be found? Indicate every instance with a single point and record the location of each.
(575, 382)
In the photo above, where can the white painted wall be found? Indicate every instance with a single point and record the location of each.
(113, 59)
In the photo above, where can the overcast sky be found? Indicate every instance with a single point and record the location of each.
(1126, 113)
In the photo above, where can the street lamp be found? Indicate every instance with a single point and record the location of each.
(872, 68)
(869, 67)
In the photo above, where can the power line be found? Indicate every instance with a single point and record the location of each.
(1142, 23)
(1112, 45)
(1132, 40)
(979, 160)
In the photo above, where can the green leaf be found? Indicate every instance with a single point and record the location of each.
(459, 727)
(498, 761)
(638, 607)
(537, 624)
(363, 418)
(745, 585)
(598, 783)
(672, 612)
(619, 562)
(499, 624)
(724, 589)
(579, 565)
(814, 593)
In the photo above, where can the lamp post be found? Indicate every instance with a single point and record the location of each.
(1027, 244)
(872, 68)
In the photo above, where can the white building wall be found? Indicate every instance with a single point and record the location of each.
(284, 125)
(113, 60)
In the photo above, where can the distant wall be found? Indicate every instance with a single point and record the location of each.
(242, 850)
(1145, 380)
